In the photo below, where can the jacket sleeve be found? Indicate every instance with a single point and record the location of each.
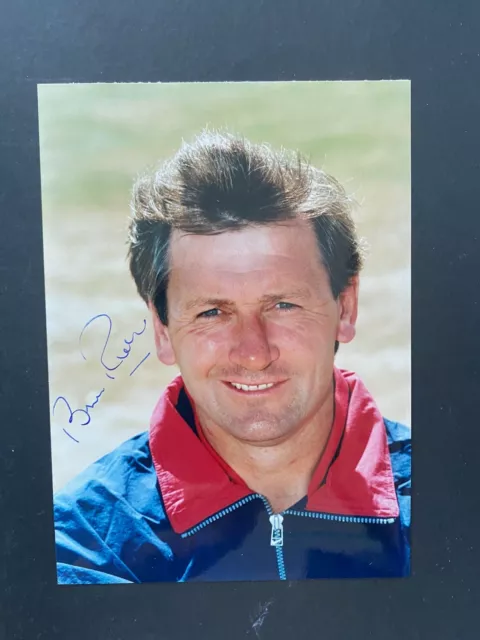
(83, 556)
(68, 574)
(400, 446)
(110, 524)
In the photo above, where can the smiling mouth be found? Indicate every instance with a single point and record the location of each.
(251, 388)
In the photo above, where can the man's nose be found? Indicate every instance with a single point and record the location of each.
(251, 348)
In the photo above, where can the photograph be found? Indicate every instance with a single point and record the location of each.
(228, 306)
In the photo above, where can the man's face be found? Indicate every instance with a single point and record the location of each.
(252, 308)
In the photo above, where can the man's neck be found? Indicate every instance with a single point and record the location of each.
(280, 471)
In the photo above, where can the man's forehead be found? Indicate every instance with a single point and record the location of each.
(244, 248)
(251, 265)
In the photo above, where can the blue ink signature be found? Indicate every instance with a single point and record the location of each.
(141, 362)
(86, 411)
(122, 358)
(126, 350)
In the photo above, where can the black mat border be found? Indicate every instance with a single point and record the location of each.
(434, 44)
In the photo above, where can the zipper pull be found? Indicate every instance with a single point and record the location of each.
(276, 538)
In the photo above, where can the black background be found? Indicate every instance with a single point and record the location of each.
(435, 45)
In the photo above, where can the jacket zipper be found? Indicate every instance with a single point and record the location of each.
(276, 535)
(220, 514)
(276, 522)
(276, 540)
(337, 518)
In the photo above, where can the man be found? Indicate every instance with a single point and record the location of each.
(263, 460)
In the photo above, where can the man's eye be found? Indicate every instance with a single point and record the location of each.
(211, 313)
(285, 306)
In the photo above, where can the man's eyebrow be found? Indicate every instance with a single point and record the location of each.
(200, 301)
(207, 302)
(295, 294)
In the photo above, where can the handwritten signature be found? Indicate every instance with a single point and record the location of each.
(85, 411)
(72, 413)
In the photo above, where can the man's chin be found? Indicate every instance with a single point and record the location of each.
(255, 429)
(262, 438)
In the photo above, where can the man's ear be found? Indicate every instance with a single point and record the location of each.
(163, 344)
(348, 310)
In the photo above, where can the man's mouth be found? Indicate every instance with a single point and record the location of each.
(252, 388)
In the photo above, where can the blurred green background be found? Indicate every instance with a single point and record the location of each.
(95, 140)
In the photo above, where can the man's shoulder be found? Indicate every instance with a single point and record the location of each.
(399, 442)
(397, 433)
(111, 466)
(125, 474)
(103, 513)
(399, 438)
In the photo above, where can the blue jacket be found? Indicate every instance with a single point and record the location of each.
(164, 507)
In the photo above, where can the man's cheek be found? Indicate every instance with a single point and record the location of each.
(211, 351)
(295, 344)
(201, 356)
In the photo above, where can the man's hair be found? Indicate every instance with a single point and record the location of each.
(222, 182)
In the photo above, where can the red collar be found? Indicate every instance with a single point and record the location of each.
(353, 477)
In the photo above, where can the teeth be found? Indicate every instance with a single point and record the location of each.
(253, 387)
